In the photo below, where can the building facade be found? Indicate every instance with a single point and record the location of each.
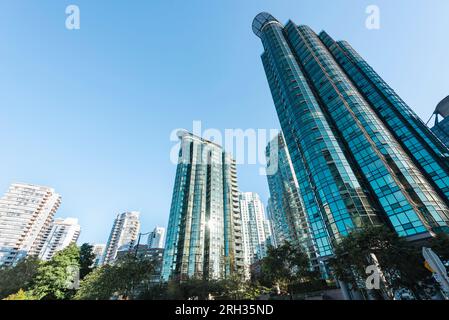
(156, 238)
(441, 128)
(124, 234)
(204, 234)
(98, 249)
(276, 228)
(146, 252)
(63, 233)
(360, 154)
(254, 226)
(26, 214)
(286, 210)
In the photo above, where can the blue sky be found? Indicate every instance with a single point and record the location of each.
(90, 112)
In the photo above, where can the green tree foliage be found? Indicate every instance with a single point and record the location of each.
(124, 280)
(440, 244)
(17, 277)
(87, 258)
(20, 295)
(400, 262)
(199, 289)
(287, 268)
(54, 277)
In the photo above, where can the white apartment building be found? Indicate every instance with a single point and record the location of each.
(124, 234)
(63, 233)
(255, 227)
(26, 214)
(156, 238)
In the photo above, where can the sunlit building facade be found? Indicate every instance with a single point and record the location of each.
(286, 210)
(26, 215)
(360, 154)
(204, 234)
(63, 233)
(123, 236)
(254, 226)
(156, 238)
(98, 250)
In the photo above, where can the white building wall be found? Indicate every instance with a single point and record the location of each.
(124, 234)
(26, 213)
(63, 233)
(156, 238)
(254, 225)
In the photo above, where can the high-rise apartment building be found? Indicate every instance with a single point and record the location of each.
(360, 154)
(254, 227)
(124, 234)
(286, 210)
(26, 214)
(277, 231)
(98, 250)
(204, 234)
(63, 233)
(269, 242)
(441, 128)
(156, 238)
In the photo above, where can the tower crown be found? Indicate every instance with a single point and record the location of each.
(261, 20)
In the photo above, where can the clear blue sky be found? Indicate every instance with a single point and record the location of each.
(90, 112)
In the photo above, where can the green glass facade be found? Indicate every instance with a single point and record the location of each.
(286, 210)
(441, 130)
(204, 235)
(360, 155)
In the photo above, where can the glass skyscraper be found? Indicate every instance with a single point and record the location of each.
(360, 154)
(286, 210)
(204, 234)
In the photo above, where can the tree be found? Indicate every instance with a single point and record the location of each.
(440, 244)
(97, 285)
(400, 262)
(20, 276)
(55, 278)
(287, 267)
(87, 258)
(20, 295)
(125, 280)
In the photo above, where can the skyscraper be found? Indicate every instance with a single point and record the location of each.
(63, 233)
(286, 210)
(26, 213)
(156, 238)
(204, 234)
(276, 228)
(98, 250)
(360, 154)
(123, 235)
(254, 227)
(441, 128)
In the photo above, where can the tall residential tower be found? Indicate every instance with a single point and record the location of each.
(286, 209)
(204, 234)
(156, 238)
(63, 233)
(360, 154)
(26, 215)
(124, 234)
(255, 232)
